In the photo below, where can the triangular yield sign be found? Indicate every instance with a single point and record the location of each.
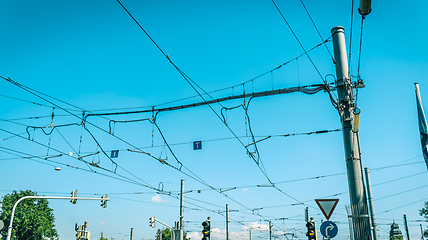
(327, 206)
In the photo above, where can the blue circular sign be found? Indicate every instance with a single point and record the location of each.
(329, 229)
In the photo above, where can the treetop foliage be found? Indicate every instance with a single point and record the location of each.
(33, 218)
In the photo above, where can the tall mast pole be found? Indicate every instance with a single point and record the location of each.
(371, 208)
(347, 109)
(181, 208)
(227, 221)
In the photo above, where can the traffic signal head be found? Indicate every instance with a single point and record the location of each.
(311, 230)
(73, 194)
(152, 222)
(206, 231)
(79, 233)
(104, 201)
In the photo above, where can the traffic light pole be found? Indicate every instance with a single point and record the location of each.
(9, 231)
(181, 208)
(346, 108)
(227, 221)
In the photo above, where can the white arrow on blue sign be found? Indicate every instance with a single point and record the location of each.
(329, 229)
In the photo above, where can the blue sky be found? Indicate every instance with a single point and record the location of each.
(92, 55)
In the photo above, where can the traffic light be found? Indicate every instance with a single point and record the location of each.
(152, 222)
(79, 230)
(104, 201)
(73, 194)
(206, 234)
(311, 230)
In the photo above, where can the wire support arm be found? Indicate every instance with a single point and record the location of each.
(49, 126)
(309, 89)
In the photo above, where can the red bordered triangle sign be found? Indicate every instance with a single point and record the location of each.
(327, 206)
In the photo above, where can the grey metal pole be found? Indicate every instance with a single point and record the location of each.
(132, 234)
(209, 221)
(227, 221)
(350, 139)
(270, 230)
(9, 231)
(181, 208)
(371, 207)
(407, 228)
(422, 232)
(250, 232)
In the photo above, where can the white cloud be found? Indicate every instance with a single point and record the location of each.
(245, 189)
(256, 226)
(157, 198)
(194, 235)
(102, 223)
(244, 234)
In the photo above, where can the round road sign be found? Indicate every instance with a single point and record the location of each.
(329, 229)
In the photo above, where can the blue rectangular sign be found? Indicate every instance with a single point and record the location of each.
(114, 153)
(197, 145)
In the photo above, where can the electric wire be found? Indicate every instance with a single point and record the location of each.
(395, 194)
(405, 205)
(190, 81)
(42, 160)
(11, 121)
(306, 52)
(31, 91)
(193, 84)
(193, 177)
(35, 103)
(65, 154)
(350, 37)
(199, 180)
(319, 34)
(361, 43)
(295, 36)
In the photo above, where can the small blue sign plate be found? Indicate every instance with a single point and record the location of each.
(197, 145)
(329, 229)
(114, 153)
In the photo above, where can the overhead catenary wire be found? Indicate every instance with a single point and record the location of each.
(316, 28)
(193, 84)
(359, 51)
(297, 39)
(44, 161)
(32, 91)
(193, 176)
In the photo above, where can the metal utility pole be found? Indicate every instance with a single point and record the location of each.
(406, 227)
(371, 208)
(347, 110)
(227, 221)
(181, 208)
(422, 232)
(132, 234)
(270, 230)
(9, 231)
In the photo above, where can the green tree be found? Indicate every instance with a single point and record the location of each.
(166, 234)
(33, 218)
(424, 212)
